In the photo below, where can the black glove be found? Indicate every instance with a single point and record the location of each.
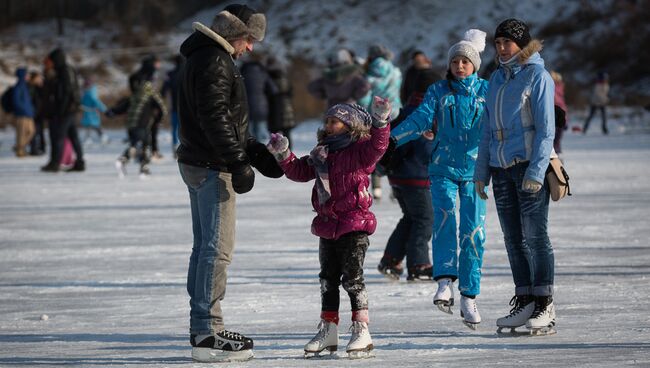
(385, 159)
(263, 160)
(243, 178)
(109, 113)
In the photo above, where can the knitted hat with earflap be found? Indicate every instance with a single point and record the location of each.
(472, 44)
(352, 115)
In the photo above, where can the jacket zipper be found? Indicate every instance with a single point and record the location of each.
(499, 120)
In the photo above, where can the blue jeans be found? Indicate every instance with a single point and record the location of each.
(524, 222)
(212, 201)
(413, 231)
(470, 237)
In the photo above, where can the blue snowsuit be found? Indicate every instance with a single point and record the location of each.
(90, 103)
(457, 105)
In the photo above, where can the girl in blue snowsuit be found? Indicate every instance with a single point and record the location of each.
(457, 105)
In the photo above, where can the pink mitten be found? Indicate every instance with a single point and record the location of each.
(278, 146)
(380, 111)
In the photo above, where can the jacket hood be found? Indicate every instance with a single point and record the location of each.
(20, 73)
(530, 53)
(58, 58)
(203, 37)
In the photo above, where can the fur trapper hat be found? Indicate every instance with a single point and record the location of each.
(472, 44)
(238, 21)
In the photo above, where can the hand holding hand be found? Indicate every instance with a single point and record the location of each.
(278, 146)
(380, 111)
(480, 190)
(531, 186)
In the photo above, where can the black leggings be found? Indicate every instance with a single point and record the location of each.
(341, 262)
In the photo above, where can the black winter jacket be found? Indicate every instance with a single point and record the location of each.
(61, 90)
(212, 107)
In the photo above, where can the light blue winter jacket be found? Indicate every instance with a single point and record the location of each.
(90, 104)
(385, 81)
(519, 120)
(459, 125)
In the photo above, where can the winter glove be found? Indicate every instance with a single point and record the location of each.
(279, 146)
(530, 186)
(480, 190)
(263, 160)
(380, 111)
(109, 113)
(385, 160)
(243, 178)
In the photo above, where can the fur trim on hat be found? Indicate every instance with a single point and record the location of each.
(228, 26)
(197, 26)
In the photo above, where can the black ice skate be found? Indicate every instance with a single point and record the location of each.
(391, 268)
(420, 273)
(225, 346)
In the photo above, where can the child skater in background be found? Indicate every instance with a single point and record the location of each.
(457, 105)
(349, 145)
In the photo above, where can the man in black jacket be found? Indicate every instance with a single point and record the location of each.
(62, 101)
(215, 157)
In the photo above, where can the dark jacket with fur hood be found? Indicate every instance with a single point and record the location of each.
(212, 105)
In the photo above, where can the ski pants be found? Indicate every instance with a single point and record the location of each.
(447, 261)
(212, 201)
(524, 222)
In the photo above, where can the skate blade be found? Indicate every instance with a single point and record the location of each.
(511, 332)
(471, 325)
(321, 354)
(207, 355)
(544, 331)
(361, 354)
(444, 306)
(390, 276)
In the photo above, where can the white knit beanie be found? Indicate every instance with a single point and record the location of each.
(471, 46)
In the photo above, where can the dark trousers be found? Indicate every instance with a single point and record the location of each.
(60, 129)
(37, 145)
(341, 262)
(603, 116)
(139, 146)
(413, 231)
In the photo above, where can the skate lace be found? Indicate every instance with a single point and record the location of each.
(356, 330)
(322, 332)
(231, 335)
(518, 305)
(540, 309)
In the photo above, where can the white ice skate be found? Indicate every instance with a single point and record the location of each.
(327, 338)
(444, 298)
(542, 321)
(360, 345)
(522, 308)
(469, 312)
(120, 165)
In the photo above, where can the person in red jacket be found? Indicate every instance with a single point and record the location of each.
(349, 146)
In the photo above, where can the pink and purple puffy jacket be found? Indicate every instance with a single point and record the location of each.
(348, 209)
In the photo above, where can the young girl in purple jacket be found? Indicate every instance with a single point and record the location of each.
(349, 145)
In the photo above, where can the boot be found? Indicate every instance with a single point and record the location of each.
(360, 343)
(224, 346)
(543, 315)
(522, 308)
(79, 165)
(327, 338)
(390, 267)
(469, 312)
(420, 273)
(444, 298)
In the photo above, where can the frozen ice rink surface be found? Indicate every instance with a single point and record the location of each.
(92, 269)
